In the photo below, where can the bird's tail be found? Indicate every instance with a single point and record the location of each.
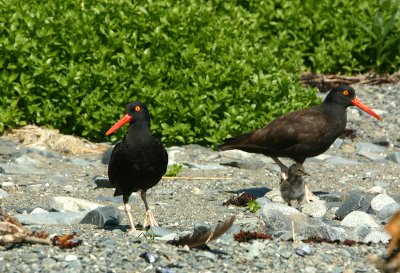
(232, 143)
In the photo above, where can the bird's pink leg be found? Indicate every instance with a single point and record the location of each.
(128, 209)
(149, 214)
(309, 196)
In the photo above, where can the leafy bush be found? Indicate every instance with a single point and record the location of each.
(206, 70)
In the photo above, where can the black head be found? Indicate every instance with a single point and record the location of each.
(342, 95)
(138, 111)
(345, 96)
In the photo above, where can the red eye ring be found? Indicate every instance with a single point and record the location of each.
(345, 92)
(137, 108)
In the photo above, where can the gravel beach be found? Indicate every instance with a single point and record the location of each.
(355, 175)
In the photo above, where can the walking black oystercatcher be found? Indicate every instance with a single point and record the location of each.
(303, 133)
(137, 162)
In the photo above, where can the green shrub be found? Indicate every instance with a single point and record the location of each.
(206, 70)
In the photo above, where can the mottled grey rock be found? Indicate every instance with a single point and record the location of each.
(337, 143)
(359, 232)
(51, 218)
(66, 203)
(357, 218)
(387, 211)
(106, 156)
(304, 226)
(331, 197)
(102, 182)
(104, 216)
(338, 160)
(353, 201)
(158, 231)
(3, 194)
(23, 166)
(375, 190)
(376, 237)
(380, 201)
(262, 201)
(395, 157)
(381, 141)
(317, 208)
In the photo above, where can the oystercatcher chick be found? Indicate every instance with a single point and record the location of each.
(138, 162)
(301, 134)
(293, 187)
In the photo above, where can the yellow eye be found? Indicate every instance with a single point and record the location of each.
(345, 92)
(137, 108)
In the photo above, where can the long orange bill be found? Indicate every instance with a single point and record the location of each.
(125, 119)
(362, 106)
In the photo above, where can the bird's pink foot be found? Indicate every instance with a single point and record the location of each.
(309, 196)
(150, 218)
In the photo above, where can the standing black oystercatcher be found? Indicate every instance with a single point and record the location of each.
(137, 162)
(303, 133)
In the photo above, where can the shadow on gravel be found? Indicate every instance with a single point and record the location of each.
(258, 192)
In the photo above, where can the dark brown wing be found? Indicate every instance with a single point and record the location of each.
(295, 132)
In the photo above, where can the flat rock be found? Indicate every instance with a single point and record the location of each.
(338, 160)
(274, 195)
(371, 155)
(380, 201)
(366, 146)
(357, 218)
(284, 209)
(103, 216)
(66, 203)
(51, 218)
(158, 231)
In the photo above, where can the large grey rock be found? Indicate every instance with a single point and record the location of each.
(380, 201)
(353, 201)
(51, 218)
(357, 218)
(359, 232)
(66, 203)
(104, 216)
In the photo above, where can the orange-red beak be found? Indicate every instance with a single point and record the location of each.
(362, 106)
(125, 119)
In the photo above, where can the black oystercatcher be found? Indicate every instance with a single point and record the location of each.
(137, 162)
(293, 187)
(303, 133)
